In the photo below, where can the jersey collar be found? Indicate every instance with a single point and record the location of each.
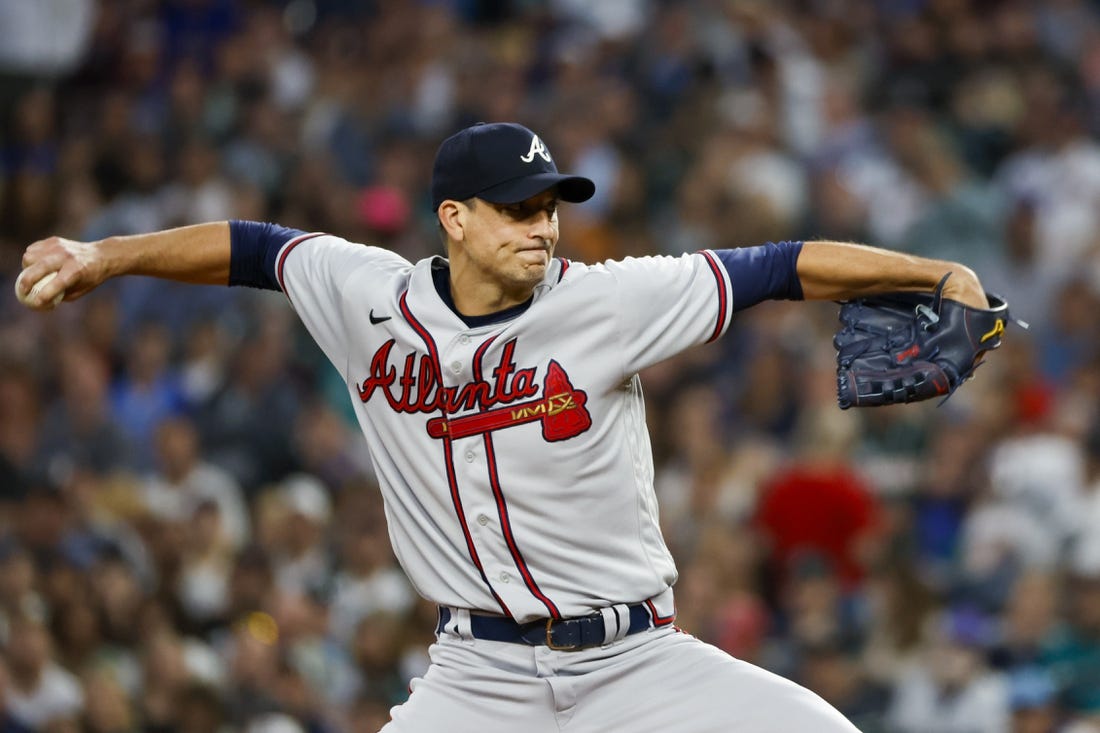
(430, 291)
(441, 278)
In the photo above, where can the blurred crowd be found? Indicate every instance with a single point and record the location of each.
(191, 538)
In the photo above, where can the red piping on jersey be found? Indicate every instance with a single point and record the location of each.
(506, 527)
(722, 296)
(282, 259)
(448, 455)
(658, 619)
(564, 266)
(502, 506)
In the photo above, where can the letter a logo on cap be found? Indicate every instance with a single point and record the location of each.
(537, 148)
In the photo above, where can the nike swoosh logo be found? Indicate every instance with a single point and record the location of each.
(374, 321)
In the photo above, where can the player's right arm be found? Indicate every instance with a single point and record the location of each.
(253, 254)
(200, 253)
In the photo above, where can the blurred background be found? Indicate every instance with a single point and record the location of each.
(191, 539)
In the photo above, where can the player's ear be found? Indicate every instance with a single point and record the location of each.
(452, 218)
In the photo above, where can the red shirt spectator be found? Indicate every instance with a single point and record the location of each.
(821, 506)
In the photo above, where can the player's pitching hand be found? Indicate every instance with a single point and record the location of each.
(77, 266)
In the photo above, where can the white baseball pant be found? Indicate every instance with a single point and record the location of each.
(656, 680)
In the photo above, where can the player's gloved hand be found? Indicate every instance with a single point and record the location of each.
(911, 346)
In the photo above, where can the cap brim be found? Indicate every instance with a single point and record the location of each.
(573, 189)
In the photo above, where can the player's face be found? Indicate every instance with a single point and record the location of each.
(511, 244)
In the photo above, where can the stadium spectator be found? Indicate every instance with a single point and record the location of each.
(41, 692)
(952, 690)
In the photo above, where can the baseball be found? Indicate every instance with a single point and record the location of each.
(31, 298)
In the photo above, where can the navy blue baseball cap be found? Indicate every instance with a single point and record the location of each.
(500, 162)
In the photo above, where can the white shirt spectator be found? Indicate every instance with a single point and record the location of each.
(45, 37)
(203, 589)
(1042, 475)
(177, 501)
(57, 695)
(612, 19)
(1065, 185)
(1000, 532)
(274, 723)
(920, 706)
(302, 561)
(356, 597)
(1085, 557)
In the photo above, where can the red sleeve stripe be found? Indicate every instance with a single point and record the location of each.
(723, 295)
(564, 266)
(282, 259)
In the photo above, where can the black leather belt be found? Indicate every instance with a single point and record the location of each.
(566, 634)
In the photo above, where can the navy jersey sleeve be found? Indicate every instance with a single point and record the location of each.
(254, 249)
(765, 272)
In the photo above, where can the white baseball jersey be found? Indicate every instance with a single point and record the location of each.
(513, 457)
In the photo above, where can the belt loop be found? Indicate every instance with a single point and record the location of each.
(459, 624)
(616, 622)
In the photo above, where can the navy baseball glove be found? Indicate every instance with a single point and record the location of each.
(911, 346)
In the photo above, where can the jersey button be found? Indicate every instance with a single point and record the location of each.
(456, 366)
(463, 339)
(505, 578)
(482, 520)
(470, 456)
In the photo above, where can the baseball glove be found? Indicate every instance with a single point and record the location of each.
(912, 346)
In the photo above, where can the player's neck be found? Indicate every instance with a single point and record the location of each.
(482, 299)
(441, 278)
(474, 295)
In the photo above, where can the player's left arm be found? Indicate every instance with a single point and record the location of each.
(667, 304)
(842, 271)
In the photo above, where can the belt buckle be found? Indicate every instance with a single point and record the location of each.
(550, 639)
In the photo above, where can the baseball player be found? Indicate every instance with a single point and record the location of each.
(499, 395)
